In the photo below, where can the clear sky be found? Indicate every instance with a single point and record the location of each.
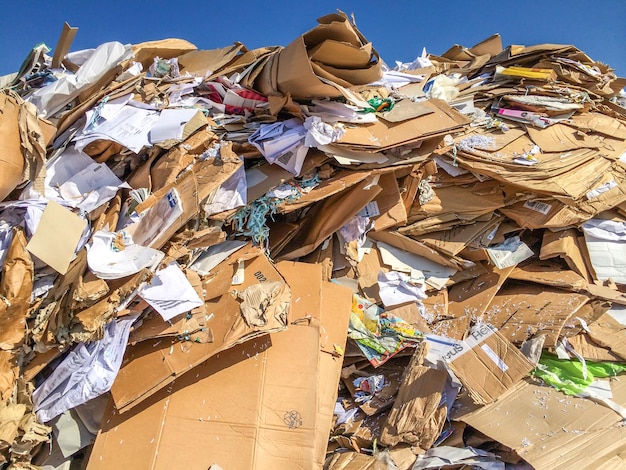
(398, 29)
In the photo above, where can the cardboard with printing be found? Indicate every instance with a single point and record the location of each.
(487, 364)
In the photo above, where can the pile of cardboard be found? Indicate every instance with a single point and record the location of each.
(297, 257)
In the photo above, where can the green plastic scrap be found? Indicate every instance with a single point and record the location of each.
(378, 105)
(569, 376)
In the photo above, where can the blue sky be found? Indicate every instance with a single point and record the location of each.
(398, 29)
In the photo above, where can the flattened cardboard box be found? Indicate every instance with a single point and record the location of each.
(487, 364)
(263, 404)
(553, 431)
(152, 364)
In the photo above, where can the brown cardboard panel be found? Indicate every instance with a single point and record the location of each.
(152, 364)
(383, 135)
(261, 404)
(488, 364)
(609, 333)
(521, 311)
(328, 216)
(550, 273)
(417, 416)
(552, 431)
(468, 301)
(568, 245)
(591, 351)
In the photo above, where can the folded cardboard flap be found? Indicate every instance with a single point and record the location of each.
(334, 51)
(487, 364)
(552, 431)
(268, 426)
(150, 365)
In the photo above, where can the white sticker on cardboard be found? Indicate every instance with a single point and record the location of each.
(494, 357)
(538, 206)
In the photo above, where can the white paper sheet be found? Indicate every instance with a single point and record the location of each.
(108, 262)
(86, 372)
(156, 219)
(282, 143)
(171, 124)
(509, 253)
(610, 230)
(57, 95)
(214, 255)
(130, 128)
(233, 193)
(74, 179)
(608, 258)
(170, 293)
(396, 289)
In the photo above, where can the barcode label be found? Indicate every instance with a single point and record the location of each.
(538, 207)
(370, 210)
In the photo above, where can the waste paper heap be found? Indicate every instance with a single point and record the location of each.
(298, 257)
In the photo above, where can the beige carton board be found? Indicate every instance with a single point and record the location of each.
(57, 236)
(488, 364)
(552, 431)
(152, 364)
(262, 404)
(383, 135)
(521, 311)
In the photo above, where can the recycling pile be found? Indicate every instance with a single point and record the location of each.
(297, 257)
